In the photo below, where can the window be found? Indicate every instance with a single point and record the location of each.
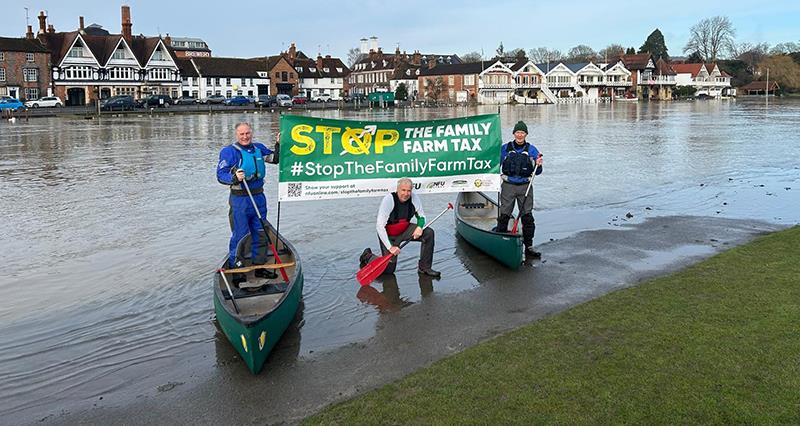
(216, 81)
(120, 74)
(469, 80)
(29, 57)
(76, 52)
(160, 74)
(31, 93)
(228, 94)
(2, 56)
(208, 81)
(451, 80)
(227, 81)
(119, 53)
(2, 74)
(284, 76)
(158, 55)
(78, 73)
(291, 75)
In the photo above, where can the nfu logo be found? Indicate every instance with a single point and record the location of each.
(435, 185)
(417, 185)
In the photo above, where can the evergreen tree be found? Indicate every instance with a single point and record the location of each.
(630, 51)
(695, 58)
(655, 45)
(401, 93)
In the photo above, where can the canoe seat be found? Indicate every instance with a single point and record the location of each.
(265, 289)
(474, 205)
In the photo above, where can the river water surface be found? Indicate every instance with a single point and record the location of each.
(111, 229)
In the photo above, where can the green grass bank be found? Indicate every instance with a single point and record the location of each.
(717, 343)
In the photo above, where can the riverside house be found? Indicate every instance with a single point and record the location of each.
(707, 79)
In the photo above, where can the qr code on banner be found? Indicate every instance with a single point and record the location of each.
(295, 189)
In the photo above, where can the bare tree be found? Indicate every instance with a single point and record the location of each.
(611, 51)
(785, 48)
(518, 53)
(542, 54)
(472, 57)
(783, 70)
(581, 53)
(712, 37)
(751, 54)
(435, 88)
(353, 56)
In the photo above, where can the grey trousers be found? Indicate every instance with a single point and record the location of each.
(425, 252)
(511, 195)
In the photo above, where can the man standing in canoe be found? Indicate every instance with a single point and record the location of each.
(394, 226)
(245, 160)
(519, 160)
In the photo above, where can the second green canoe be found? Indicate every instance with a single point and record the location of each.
(476, 216)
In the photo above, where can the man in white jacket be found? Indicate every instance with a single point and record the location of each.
(394, 226)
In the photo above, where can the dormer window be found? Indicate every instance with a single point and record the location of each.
(312, 69)
(158, 55)
(119, 53)
(326, 69)
(339, 70)
(384, 63)
(75, 52)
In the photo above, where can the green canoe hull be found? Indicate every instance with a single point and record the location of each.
(258, 320)
(474, 225)
(247, 338)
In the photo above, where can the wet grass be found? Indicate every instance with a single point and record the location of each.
(717, 343)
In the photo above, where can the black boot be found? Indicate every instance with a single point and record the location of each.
(238, 278)
(365, 257)
(502, 223)
(530, 253)
(266, 273)
(429, 272)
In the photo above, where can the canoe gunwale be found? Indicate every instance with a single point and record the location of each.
(250, 321)
(466, 222)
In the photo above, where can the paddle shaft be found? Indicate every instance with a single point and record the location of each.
(264, 226)
(527, 190)
(228, 286)
(449, 206)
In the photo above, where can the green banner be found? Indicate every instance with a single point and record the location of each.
(323, 158)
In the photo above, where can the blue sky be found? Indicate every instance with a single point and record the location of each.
(250, 28)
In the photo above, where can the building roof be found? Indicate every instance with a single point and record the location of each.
(454, 69)
(693, 69)
(8, 44)
(760, 85)
(634, 62)
(387, 61)
(309, 68)
(186, 68)
(229, 67)
(101, 46)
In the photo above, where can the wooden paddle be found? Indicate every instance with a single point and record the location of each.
(374, 269)
(516, 221)
(264, 226)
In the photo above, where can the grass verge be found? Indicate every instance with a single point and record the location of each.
(716, 343)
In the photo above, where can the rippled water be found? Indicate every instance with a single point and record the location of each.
(111, 228)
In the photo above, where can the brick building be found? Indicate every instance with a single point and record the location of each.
(24, 68)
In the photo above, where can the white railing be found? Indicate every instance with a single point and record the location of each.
(658, 79)
(498, 85)
(618, 83)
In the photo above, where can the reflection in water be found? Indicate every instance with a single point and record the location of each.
(111, 228)
(389, 300)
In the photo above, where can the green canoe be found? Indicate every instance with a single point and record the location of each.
(476, 215)
(266, 307)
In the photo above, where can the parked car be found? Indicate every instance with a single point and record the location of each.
(45, 102)
(266, 101)
(237, 101)
(284, 100)
(357, 97)
(160, 101)
(213, 99)
(322, 97)
(299, 100)
(185, 100)
(7, 102)
(118, 103)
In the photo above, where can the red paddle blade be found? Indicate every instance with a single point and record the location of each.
(373, 269)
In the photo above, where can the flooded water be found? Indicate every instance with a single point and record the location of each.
(111, 229)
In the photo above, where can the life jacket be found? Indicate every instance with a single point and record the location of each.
(400, 217)
(517, 163)
(252, 162)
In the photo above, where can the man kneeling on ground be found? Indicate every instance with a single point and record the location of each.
(394, 226)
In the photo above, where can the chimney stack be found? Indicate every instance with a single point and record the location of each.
(319, 63)
(51, 29)
(29, 34)
(416, 58)
(126, 23)
(292, 53)
(364, 46)
(373, 43)
(168, 40)
(81, 29)
(42, 22)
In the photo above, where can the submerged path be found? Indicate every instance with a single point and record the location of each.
(574, 270)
